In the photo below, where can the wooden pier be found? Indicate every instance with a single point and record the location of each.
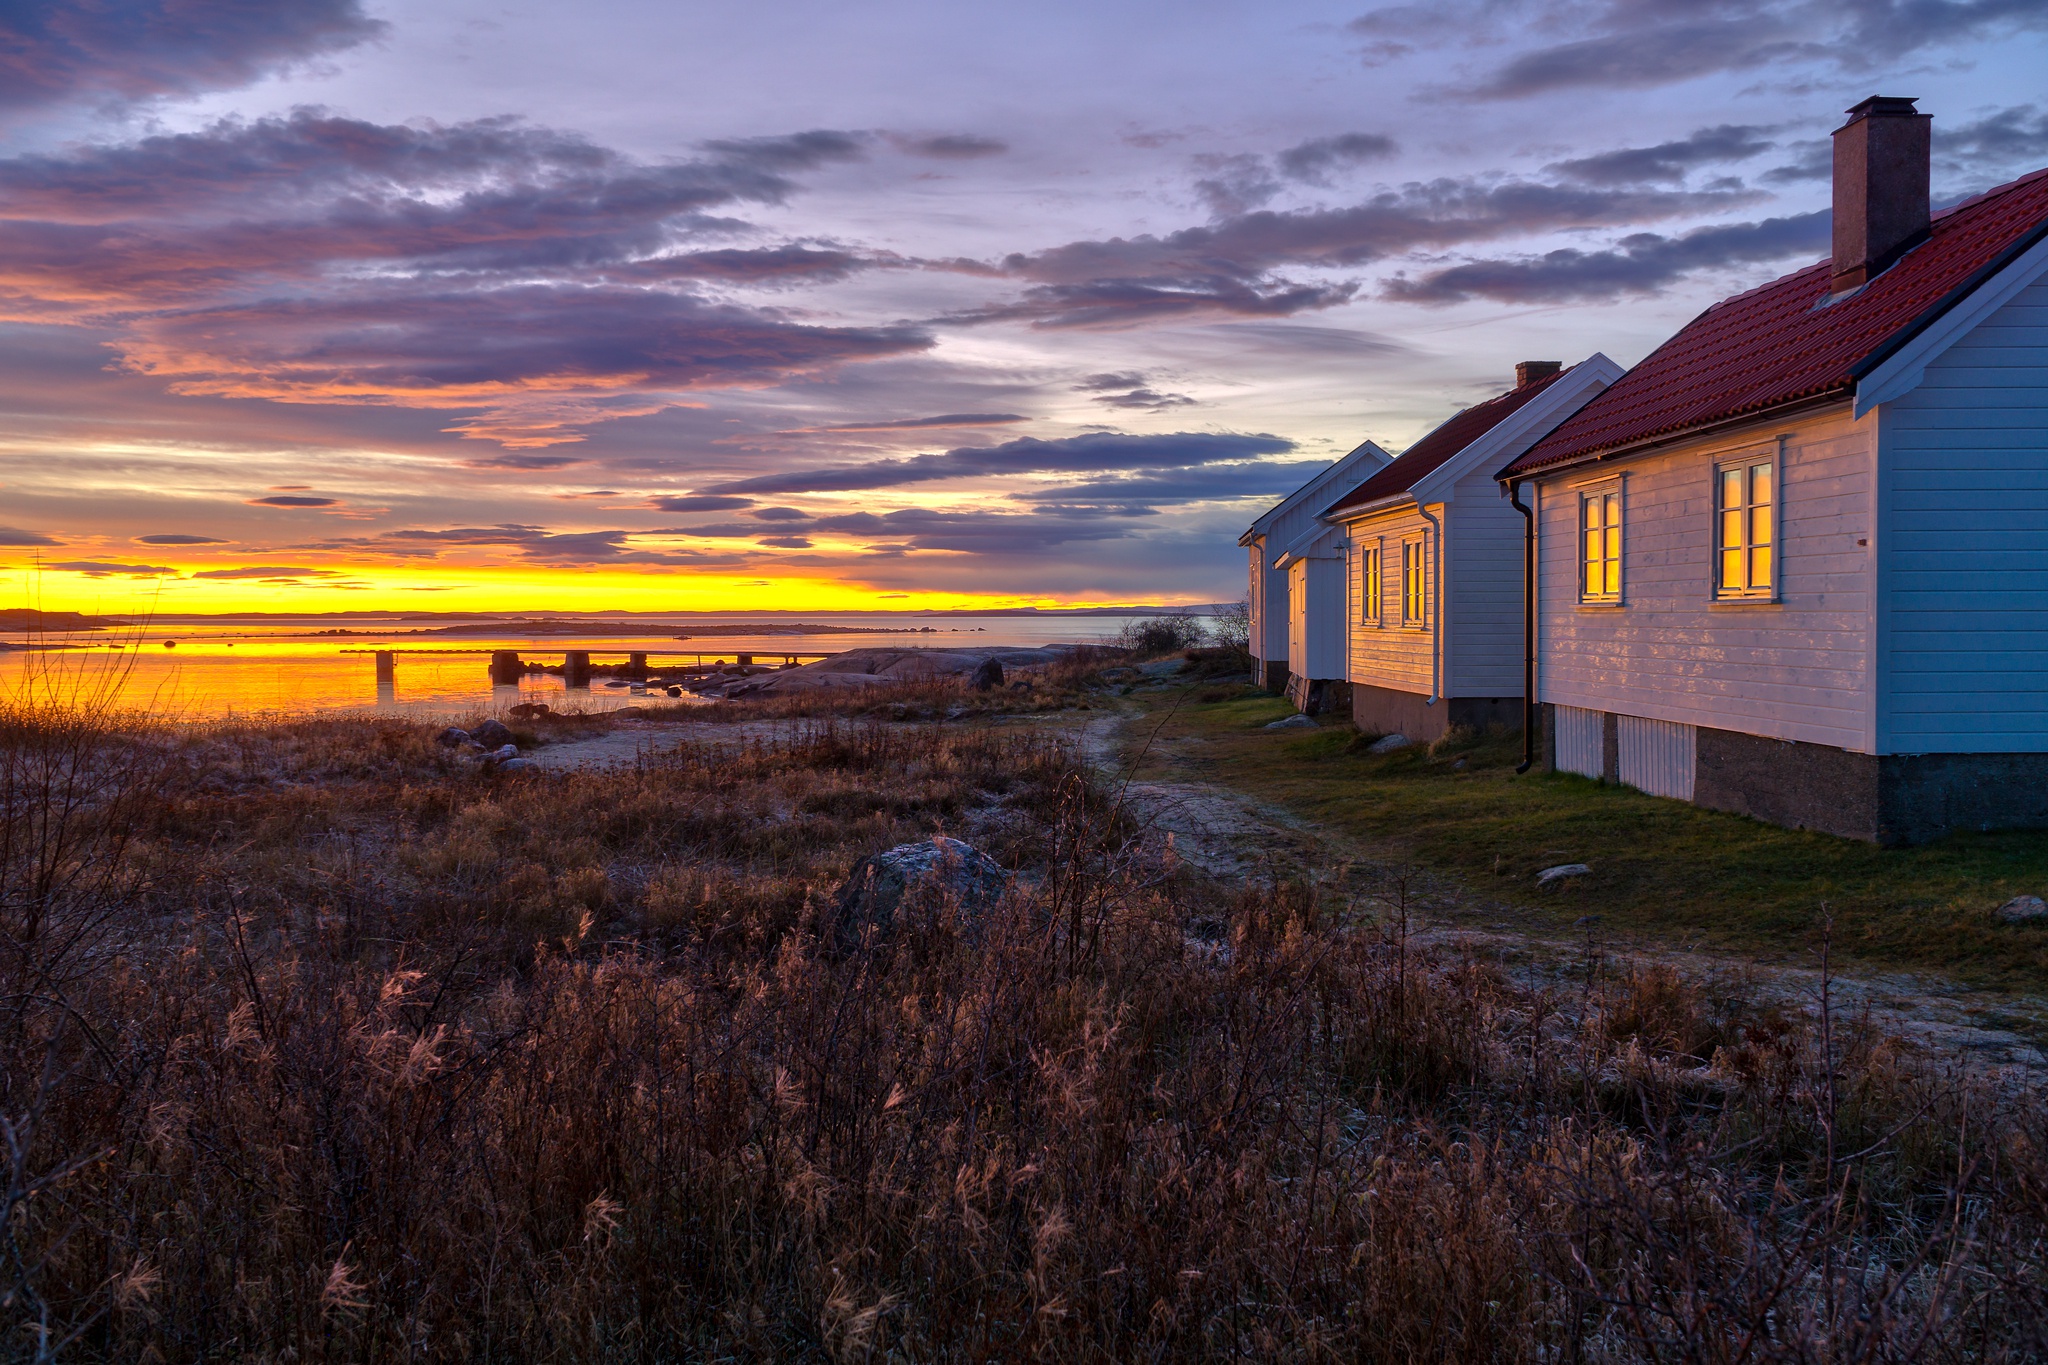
(509, 666)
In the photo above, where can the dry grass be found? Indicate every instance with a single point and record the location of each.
(364, 1057)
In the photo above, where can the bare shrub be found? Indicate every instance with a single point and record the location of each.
(1150, 637)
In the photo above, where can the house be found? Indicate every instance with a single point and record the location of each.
(1434, 562)
(1297, 642)
(1795, 563)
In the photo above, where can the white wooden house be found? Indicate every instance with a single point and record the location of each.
(1433, 558)
(1290, 524)
(1795, 563)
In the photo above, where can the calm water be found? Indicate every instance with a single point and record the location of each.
(219, 670)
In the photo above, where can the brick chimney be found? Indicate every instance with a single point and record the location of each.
(1881, 178)
(1529, 371)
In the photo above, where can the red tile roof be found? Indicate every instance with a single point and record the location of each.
(1427, 455)
(1774, 345)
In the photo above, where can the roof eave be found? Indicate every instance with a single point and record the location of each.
(1839, 392)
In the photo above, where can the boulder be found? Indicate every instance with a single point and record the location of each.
(2022, 909)
(504, 752)
(938, 871)
(1387, 744)
(528, 710)
(452, 738)
(988, 676)
(491, 734)
(1550, 875)
(518, 765)
(673, 691)
(1294, 723)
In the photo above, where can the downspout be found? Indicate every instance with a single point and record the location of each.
(1528, 627)
(1436, 620)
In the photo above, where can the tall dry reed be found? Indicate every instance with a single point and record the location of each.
(382, 1060)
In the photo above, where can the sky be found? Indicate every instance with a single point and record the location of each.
(320, 305)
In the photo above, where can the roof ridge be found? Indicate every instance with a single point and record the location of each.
(1769, 346)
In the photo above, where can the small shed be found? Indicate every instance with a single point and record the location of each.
(1286, 522)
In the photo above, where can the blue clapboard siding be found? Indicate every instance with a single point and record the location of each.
(1484, 584)
(1964, 603)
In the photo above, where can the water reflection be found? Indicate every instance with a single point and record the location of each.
(231, 669)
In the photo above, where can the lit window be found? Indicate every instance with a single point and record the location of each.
(1744, 528)
(1412, 595)
(1600, 550)
(1370, 587)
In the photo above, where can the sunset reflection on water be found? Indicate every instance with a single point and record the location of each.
(211, 672)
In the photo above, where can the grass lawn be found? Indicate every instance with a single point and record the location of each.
(1660, 868)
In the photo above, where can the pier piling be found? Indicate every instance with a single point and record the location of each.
(386, 666)
(506, 667)
(576, 668)
(636, 665)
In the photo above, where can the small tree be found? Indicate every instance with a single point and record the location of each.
(1160, 635)
(1231, 628)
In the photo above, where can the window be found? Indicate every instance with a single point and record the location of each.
(1745, 528)
(1413, 597)
(1600, 549)
(1371, 590)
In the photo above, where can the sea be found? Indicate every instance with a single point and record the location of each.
(215, 669)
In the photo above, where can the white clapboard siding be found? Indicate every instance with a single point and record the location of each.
(1268, 591)
(1385, 653)
(1798, 669)
(1656, 756)
(1581, 747)
(1965, 538)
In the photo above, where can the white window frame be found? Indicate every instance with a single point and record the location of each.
(1372, 584)
(1615, 488)
(1415, 552)
(1746, 460)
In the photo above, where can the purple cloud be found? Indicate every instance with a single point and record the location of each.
(93, 568)
(1668, 161)
(1095, 451)
(1640, 264)
(292, 500)
(139, 48)
(179, 540)
(15, 536)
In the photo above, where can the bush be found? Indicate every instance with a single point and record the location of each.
(1156, 635)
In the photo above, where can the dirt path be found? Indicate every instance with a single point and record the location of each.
(1229, 835)
(627, 740)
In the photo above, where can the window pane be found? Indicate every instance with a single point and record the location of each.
(1760, 484)
(1731, 570)
(1596, 578)
(1731, 488)
(1760, 525)
(1731, 529)
(1592, 512)
(1760, 567)
(1614, 544)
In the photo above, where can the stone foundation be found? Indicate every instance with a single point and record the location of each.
(1891, 799)
(1319, 696)
(1390, 711)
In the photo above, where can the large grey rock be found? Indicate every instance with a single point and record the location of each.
(452, 738)
(491, 734)
(2022, 909)
(1294, 723)
(882, 886)
(1387, 744)
(518, 765)
(988, 676)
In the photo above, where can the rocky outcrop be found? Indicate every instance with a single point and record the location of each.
(913, 881)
